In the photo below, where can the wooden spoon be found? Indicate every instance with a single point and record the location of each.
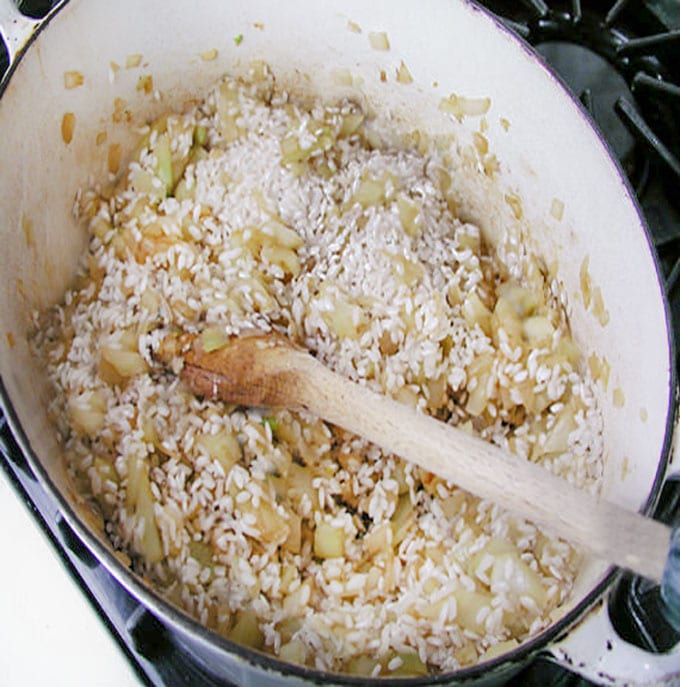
(269, 371)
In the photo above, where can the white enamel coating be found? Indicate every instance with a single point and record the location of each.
(548, 151)
(593, 649)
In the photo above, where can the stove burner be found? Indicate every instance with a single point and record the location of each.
(620, 76)
(622, 59)
(599, 85)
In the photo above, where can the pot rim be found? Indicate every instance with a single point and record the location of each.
(519, 655)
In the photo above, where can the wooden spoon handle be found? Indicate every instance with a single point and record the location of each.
(612, 533)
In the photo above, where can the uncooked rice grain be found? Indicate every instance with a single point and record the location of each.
(255, 211)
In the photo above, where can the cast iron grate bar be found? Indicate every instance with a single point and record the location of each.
(644, 133)
(673, 278)
(645, 79)
(638, 46)
(35, 8)
(539, 6)
(520, 29)
(615, 11)
(586, 99)
(658, 86)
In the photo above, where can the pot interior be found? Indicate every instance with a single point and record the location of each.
(575, 207)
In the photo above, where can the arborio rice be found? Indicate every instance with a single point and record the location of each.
(275, 529)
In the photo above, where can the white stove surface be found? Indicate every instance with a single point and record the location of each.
(49, 632)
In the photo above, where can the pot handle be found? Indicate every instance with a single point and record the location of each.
(595, 650)
(16, 28)
(670, 586)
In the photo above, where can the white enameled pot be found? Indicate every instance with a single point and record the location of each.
(550, 158)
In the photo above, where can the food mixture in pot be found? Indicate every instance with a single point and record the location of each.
(278, 531)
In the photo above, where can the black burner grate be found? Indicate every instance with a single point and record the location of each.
(622, 60)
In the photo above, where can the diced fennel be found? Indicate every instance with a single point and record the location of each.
(213, 338)
(346, 320)
(469, 607)
(200, 135)
(222, 447)
(329, 541)
(201, 552)
(411, 665)
(378, 540)
(476, 313)
(246, 630)
(403, 519)
(409, 215)
(520, 579)
(87, 412)
(293, 651)
(164, 162)
(362, 666)
(124, 363)
(140, 501)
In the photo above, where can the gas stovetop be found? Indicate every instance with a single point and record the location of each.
(622, 60)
